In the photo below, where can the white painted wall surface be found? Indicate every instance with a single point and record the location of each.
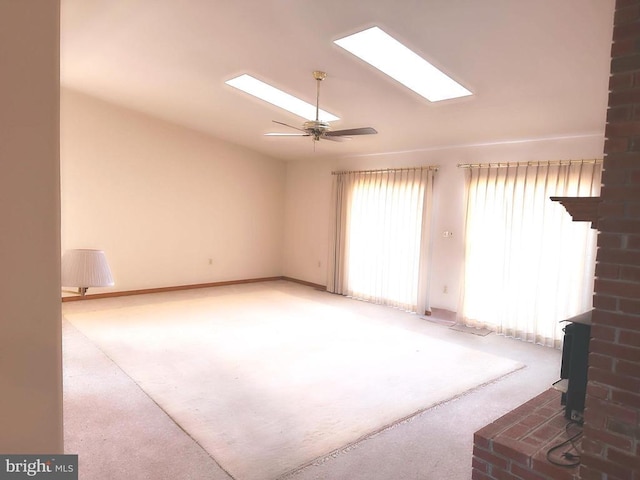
(161, 200)
(309, 191)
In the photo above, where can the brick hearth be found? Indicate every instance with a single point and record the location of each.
(515, 446)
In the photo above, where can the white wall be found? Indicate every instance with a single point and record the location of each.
(30, 342)
(162, 200)
(309, 190)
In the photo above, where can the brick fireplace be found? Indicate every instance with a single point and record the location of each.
(611, 444)
(511, 447)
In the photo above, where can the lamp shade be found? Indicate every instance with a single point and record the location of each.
(85, 268)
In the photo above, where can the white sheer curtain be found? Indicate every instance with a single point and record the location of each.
(380, 236)
(527, 264)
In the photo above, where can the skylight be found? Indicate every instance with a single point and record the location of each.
(388, 55)
(277, 97)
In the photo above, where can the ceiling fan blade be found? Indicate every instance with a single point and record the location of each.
(352, 131)
(334, 139)
(277, 134)
(287, 125)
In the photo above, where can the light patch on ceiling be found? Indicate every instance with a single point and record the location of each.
(391, 57)
(274, 96)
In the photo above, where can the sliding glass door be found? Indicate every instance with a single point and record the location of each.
(527, 265)
(380, 237)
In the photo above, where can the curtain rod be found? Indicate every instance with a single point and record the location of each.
(528, 164)
(428, 167)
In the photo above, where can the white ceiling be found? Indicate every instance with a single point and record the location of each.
(538, 68)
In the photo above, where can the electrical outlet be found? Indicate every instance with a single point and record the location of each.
(445, 289)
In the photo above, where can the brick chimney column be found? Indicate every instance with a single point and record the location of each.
(611, 444)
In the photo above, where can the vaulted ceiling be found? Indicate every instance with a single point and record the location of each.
(537, 69)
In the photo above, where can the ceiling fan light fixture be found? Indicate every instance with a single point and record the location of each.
(391, 57)
(274, 96)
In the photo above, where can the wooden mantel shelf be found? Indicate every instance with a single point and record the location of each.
(581, 209)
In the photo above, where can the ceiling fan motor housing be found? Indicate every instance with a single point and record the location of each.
(316, 128)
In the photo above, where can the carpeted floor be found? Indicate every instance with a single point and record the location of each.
(117, 431)
(267, 379)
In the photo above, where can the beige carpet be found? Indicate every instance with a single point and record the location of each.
(269, 378)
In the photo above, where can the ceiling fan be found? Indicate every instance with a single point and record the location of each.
(318, 129)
